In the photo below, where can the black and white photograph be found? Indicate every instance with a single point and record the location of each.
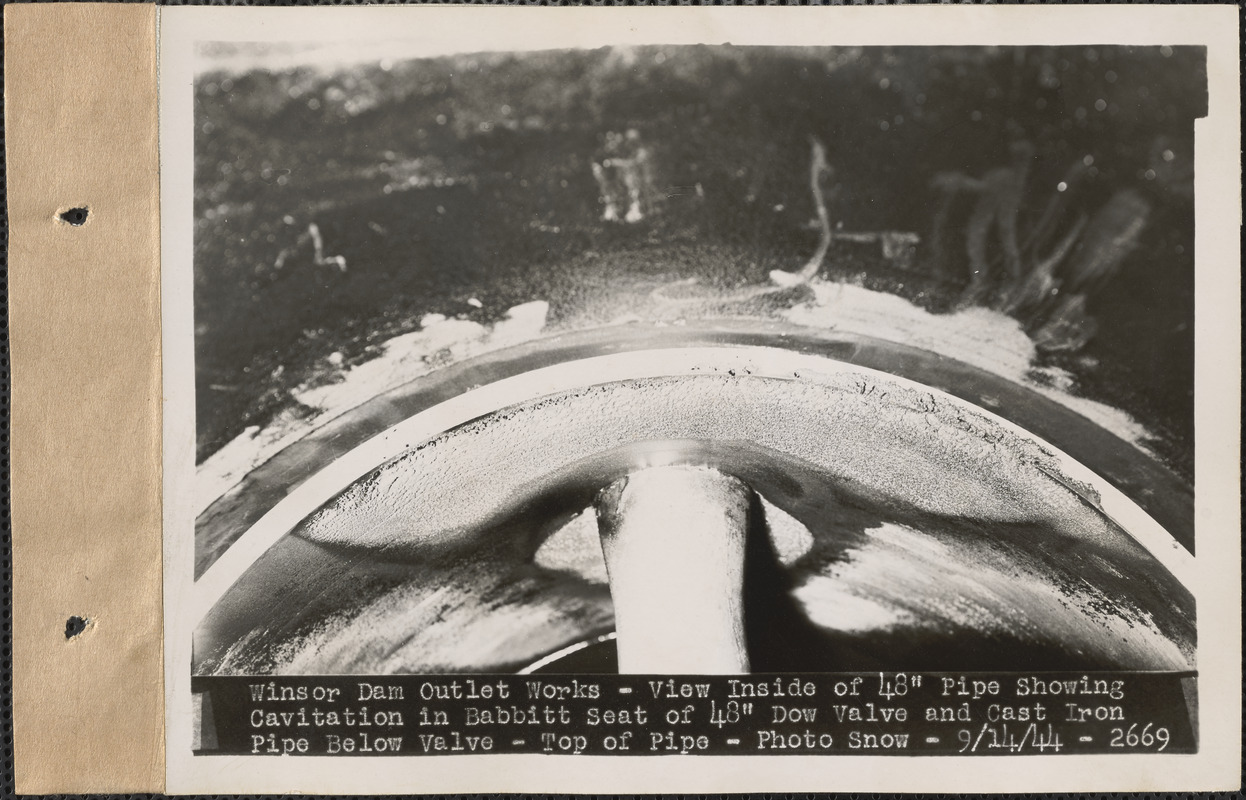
(859, 377)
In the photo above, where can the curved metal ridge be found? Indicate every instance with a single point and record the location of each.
(409, 439)
(1155, 489)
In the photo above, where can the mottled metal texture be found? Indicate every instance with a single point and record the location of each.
(940, 540)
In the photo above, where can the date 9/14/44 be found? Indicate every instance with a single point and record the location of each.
(1038, 738)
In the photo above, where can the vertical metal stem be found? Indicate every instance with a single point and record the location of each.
(673, 539)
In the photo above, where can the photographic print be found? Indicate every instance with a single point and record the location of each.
(634, 396)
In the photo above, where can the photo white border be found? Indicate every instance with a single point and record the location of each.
(484, 28)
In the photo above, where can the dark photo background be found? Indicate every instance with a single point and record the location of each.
(443, 180)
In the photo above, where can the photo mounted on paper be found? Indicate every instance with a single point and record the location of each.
(652, 398)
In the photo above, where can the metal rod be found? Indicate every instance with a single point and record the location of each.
(673, 540)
